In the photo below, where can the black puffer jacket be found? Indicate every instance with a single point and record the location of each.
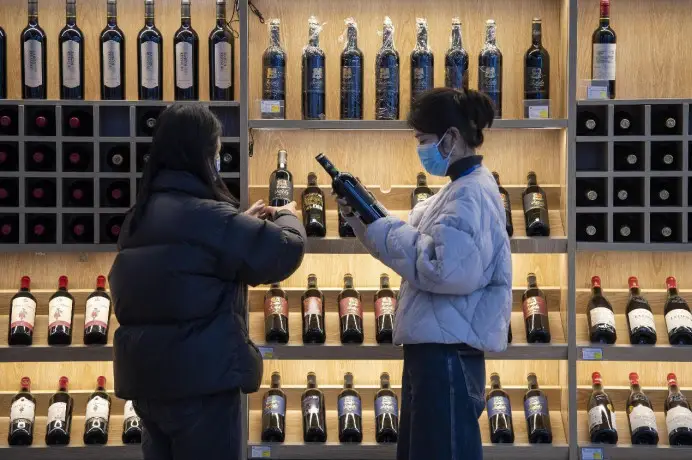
(179, 287)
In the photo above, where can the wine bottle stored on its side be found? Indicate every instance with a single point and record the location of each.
(22, 416)
(600, 315)
(312, 301)
(640, 414)
(640, 319)
(678, 415)
(314, 418)
(499, 413)
(276, 315)
(274, 412)
(602, 427)
(22, 315)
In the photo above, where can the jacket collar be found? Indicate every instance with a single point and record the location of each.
(463, 166)
(181, 181)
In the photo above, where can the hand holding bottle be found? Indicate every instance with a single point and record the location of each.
(259, 210)
(290, 207)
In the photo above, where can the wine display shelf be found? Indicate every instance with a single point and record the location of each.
(396, 125)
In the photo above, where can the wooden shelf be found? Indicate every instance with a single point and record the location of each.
(555, 123)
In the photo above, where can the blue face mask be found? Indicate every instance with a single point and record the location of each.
(432, 159)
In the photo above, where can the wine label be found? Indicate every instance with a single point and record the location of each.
(488, 79)
(98, 407)
(275, 306)
(22, 409)
(312, 306)
(386, 405)
(535, 79)
(351, 78)
(184, 76)
(642, 416)
(420, 197)
(111, 64)
(422, 79)
(274, 83)
(456, 77)
(505, 201)
(603, 61)
(678, 417)
(33, 63)
(60, 312)
(97, 312)
(603, 316)
(315, 79)
(678, 318)
(129, 411)
(57, 412)
(275, 405)
(499, 405)
(282, 189)
(388, 79)
(641, 317)
(350, 306)
(535, 305)
(23, 313)
(313, 201)
(349, 405)
(150, 64)
(311, 405)
(599, 413)
(71, 77)
(535, 405)
(385, 306)
(534, 201)
(223, 65)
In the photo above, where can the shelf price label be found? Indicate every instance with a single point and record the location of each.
(592, 453)
(261, 452)
(267, 352)
(597, 89)
(592, 354)
(539, 112)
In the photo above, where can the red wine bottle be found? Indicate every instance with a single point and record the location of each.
(274, 412)
(75, 159)
(313, 74)
(385, 308)
(387, 76)
(150, 57)
(314, 418)
(9, 229)
(499, 412)
(59, 416)
(281, 182)
(112, 56)
(34, 60)
(640, 414)
(535, 208)
(345, 229)
(112, 229)
(40, 228)
(8, 115)
(22, 416)
(221, 57)
(422, 62)
(537, 414)
(678, 315)
(78, 123)
(506, 202)
(312, 301)
(71, 40)
(60, 315)
(98, 412)
(422, 192)
(22, 315)
(97, 314)
(314, 219)
(349, 412)
(602, 428)
(678, 415)
(535, 312)
(274, 66)
(386, 412)
(603, 47)
(490, 68)
(276, 315)
(351, 75)
(118, 159)
(80, 229)
(80, 193)
(118, 194)
(132, 425)
(350, 312)
(600, 315)
(640, 320)
(186, 57)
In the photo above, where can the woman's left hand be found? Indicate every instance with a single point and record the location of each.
(259, 210)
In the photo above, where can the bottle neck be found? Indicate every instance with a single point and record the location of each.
(149, 14)
(673, 388)
(185, 19)
(604, 20)
(456, 36)
(634, 386)
(312, 284)
(422, 38)
(490, 38)
(536, 34)
(274, 36)
(597, 386)
(673, 291)
(352, 35)
(384, 283)
(112, 14)
(422, 181)
(221, 14)
(348, 283)
(635, 291)
(387, 37)
(314, 39)
(532, 181)
(597, 290)
(71, 14)
(33, 12)
(282, 160)
(328, 166)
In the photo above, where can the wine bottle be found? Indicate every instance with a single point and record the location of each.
(535, 309)
(422, 62)
(22, 416)
(22, 315)
(350, 312)
(60, 315)
(314, 74)
(9, 192)
(386, 412)
(387, 76)
(118, 159)
(640, 320)
(385, 308)
(601, 316)
(665, 120)
(627, 158)
(59, 415)
(678, 415)
(221, 57)
(490, 68)
(186, 57)
(537, 413)
(132, 425)
(150, 57)
(314, 218)
(76, 159)
(588, 123)
(276, 315)
(351, 75)
(80, 229)
(499, 413)
(97, 314)
(314, 418)
(281, 182)
(509, 334)
(678, 315)
(422, 192)
(41, 193)
(274, 412)
(603, 46)
(623, 123)
(117, 194)
(71, 41)
(41, 229)
(349, 412)
(345, 229)
(9, 229)
(537, 66)
(602, 427)
(313, 312)
(640, 414)
(3, 65)
(535, 208)
(456, 60)
(34, 60)
(349, 188)
(98, 412)
(112, 229)
(274, 66)
(112, 54)
(79, 193)
(506, 203)
(9, 116)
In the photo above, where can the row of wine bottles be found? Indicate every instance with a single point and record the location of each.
(640, 414)
(666, 120)
(150, 59)
(59, 423)
(640, 319)
(350, 415)
(77, 193)
(274, 61)
(534, 200)
(42, 228)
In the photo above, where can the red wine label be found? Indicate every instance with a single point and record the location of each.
(642, 416)
(97, 407)
(275, 306)
(385, 306)
(350, 306)
(60, 312)
(57, 412)
(534, 201)
(97, 310)
(312, 306)
(678, 417)
(678, 318)
(534, 306)
(312, 201)
(23, 313)
(22, 409)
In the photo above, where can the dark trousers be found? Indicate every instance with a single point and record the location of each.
(208, 427)
(442, 396)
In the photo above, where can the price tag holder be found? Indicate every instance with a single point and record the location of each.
(537, 109)
(592, 354)
(592, 453)
(597, 89)
(261, 452)
(267, 352)
(272, 110)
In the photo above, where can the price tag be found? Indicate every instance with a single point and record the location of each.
(592, 453)
(539, 112)
(266, 352)
(596, 92)
(270, 107)
(592, 354)
(261, 452)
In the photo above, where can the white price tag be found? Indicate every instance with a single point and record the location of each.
(539, 112)
(270, 107)
(597, 92)
(592, 354)
(261, 452)
(592, 453)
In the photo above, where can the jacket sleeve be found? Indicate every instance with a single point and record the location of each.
(448, 260)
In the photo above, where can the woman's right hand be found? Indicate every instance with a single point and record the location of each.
(290, 207)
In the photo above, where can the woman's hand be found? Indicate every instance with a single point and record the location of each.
(259, 210)
(290, 207)
(344, 207)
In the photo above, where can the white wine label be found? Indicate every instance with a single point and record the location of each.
(678, 318)
(602, 315)
(60, 312)
(282, 190)
(23, 313)
(111, 64)
(641, 317)
(22, 409)
(385, 306)
(97, 312)
(129, 410)
(57, 412)
(98, 407)
(350, 306)
(150, 64)
(311, 405)
(678, 417)
(33, 63)
(603, 61)
(223, 65)
(642, 416)
(599, 413)
(71, 76)
(184, 76)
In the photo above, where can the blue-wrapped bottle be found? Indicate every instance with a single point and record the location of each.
(490, 68)
(422, 62)
(387, 76)
(456, 60)
(274, 66)
(351, 75)
(314, 73)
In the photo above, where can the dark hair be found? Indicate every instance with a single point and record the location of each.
(437, 110)
(185, 139)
